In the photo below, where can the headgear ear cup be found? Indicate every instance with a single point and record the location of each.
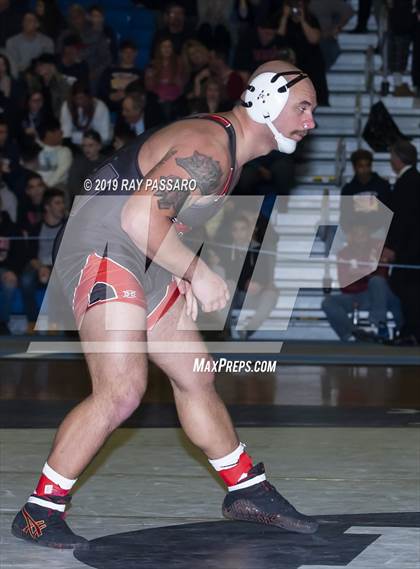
(262, 98)
(265, 98)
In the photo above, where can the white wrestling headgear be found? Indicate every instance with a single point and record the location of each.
(265, 98)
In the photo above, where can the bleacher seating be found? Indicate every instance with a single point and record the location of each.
(142, 19)
(118, 19)
(316, 172)
(128, 22)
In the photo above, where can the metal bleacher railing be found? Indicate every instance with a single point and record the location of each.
(294, 272)
(383, 46)
(128, 21)
(354, 88)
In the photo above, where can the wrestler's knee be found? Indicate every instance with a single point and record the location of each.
(120, 402)
(196, 376)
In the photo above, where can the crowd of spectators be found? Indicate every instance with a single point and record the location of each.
(402, 22)
(394, 286)
(72, 90)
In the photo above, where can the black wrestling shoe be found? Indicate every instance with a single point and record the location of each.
(46, 527)
(362, 335)
(403, 341)
(262, 503)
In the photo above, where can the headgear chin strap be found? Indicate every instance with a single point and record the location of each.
(265, 98)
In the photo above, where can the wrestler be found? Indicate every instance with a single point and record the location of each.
(111, 237)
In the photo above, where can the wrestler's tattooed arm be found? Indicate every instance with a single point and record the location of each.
(206, 162)
(203, 169)
(166, 199)
(171, 199)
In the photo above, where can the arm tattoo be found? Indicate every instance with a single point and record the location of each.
(171, 152)
(171, 199)
(204, 170)
(167, 200)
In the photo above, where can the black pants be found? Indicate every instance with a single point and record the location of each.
(364, 13)
(406, 285)
(398, 52)
(415, 68)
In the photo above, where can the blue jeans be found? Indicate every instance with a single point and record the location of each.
(378, 299)
(29, 283)
(7, 291)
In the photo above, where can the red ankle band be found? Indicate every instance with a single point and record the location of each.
(232, 476)
(48, 488)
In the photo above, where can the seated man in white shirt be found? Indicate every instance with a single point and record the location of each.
(84, 112)
(54, 160)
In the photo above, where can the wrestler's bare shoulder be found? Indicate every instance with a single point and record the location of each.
(187, 136)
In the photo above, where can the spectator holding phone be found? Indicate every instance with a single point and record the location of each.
(300, 30)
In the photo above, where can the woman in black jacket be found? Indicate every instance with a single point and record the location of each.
(34, 116)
